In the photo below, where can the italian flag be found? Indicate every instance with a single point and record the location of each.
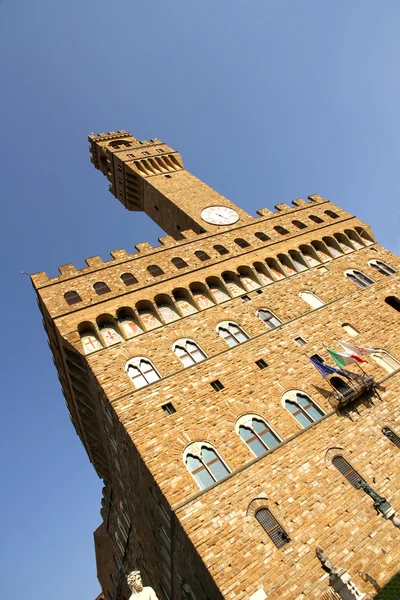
(344, 358)
(357, 350)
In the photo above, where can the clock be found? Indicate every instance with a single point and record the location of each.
(219, 215)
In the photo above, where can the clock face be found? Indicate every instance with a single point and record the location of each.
(219, 215)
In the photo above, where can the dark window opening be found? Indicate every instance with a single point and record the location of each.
(72, 298)
(201, 255)
(221, 249)
(268, 522)
(169, 408)
(300, 341)
(392, 436)
(101, 288)
(316, 219)
(299, 224)
(262, 236)
(128, 279)
(318, 358)
(245, 298)
(261, 364)
(281, 230)
(179, 263)
(168, 176)
(393, 302)
(242, 243)
(331, 214)
(155, 270)
(217, 385)
(347, 470)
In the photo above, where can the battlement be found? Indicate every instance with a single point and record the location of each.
(266, 215)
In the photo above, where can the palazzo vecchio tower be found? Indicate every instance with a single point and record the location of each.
(198, 378)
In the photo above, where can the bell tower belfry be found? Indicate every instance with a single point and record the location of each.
(150, 177)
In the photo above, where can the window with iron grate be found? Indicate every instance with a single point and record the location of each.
(347, 470)
(275, 531)
(392, 436)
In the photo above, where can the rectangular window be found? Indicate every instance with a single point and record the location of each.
(259, 291)
(245, 298)
(318, 358)
(169, 408)
(217, 385)
(261, 364)
(300, 341)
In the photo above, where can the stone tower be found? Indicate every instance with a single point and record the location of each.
(227, 457)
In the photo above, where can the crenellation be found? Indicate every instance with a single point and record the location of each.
(144, 247)
(120, 254)
(283, 207)
(67, 270)
(94, 262)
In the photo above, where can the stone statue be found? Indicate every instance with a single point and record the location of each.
(325, 561)
(139, 592)
(381, 505)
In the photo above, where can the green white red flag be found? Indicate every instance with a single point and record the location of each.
(344, 358)
(354, 350)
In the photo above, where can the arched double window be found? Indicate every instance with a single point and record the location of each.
(232, 333)
(141, 371)
(304, 410)
(311, 299)
(346, 470)
(359, 278)
(204, 464)
(275, 531)
(72, 297)
(268, 318)
(381, 267)
(256, 434)
(188, 352)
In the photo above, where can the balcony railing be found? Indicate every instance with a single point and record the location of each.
(349, 390)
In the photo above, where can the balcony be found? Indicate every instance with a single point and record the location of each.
(346, 391)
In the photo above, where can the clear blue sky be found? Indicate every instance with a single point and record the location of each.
(266, 100)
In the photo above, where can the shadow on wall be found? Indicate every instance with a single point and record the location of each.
(391, 591)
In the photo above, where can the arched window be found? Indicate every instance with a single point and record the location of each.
(311, 299)
(101, 288)
(166, 308)
(141, 371)
(72, 298)
(90, 341)
(242, 243)
(232, 333)
(392, 436)
(316, 219)
(268, 522)
(268, 318)
(109, 333)
(347, 470)
(358, 278)
(350, 329)
(382, 267)
(256, 434)
(188, 352)
(304, 410)
(128, 279)
(155, 270)
(201, 255)
(262, 236)
(299, 225)
(393, 302)
(204, 464)
(128, 323)
(281, 230)
(331, 214)
(341, 386)
(385, 360)
(179, 263)
(221, 249)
